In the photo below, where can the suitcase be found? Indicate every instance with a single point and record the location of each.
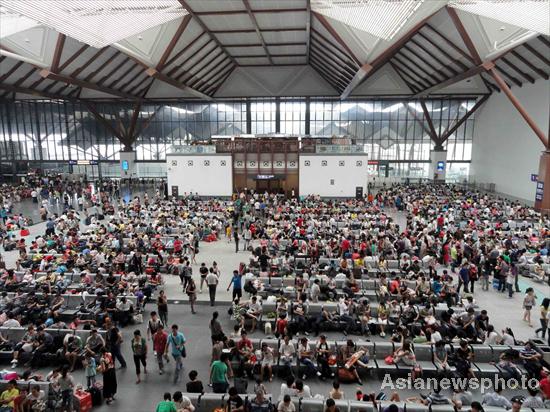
(97, 396)
(82, 401)
(345, 375)
(241, 384)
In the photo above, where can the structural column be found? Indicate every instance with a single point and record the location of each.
(128, 164)
(542, 193)
(438, 164)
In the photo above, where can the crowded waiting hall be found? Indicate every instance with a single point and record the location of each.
(274, 206)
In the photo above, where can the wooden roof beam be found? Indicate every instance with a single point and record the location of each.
(450, 43)
(529, 64)
(332, 57)
(308, 29)
(323, 42)
(518, 70)
(187, 47)
(433, 56)
(54, 67)
(162, 77)
(266, 29)
(258, 32)
(322, 19)
(504, 87)
(201, 49)
(205, 28)
(536, 53)
(32, 92)
(45, 73)
(259, 11)
(168, 51)
(467, 115)
(369, 69)
(476, 58)
(461, 76)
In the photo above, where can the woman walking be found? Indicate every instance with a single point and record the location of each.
(543, 318)
(216, 331)
(66, 386)
(191, 291)
(528, 302)
(139, 349)
(107, 368)
(162, 307)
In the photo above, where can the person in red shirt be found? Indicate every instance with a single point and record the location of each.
(178, 245)
(345, 245)
(281, 325)
(544, 386)
(159, 344)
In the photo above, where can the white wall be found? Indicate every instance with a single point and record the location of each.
(315, 179)
(207, 175)
(505, 150)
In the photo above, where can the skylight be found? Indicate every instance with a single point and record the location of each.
(14, 23)
(381, 18)
(527, 14)
(98, 23)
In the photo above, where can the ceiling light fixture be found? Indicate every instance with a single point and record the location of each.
(381, 18)
(528, 14)
(98, 23)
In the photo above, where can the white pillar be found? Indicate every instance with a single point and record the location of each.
(438, 165)
(128, 164)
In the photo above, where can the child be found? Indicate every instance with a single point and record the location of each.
(91, 369)
(259, 386)
(528, 302)
(336, 393)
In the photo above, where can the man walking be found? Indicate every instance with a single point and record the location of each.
(212, 283)
(160, 339)
(236, 281)
(176, 341)
(236, 237)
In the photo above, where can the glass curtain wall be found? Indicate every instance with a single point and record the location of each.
(395, 133)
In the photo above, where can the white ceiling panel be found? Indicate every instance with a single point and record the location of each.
(289, 60)
(203, 6)
(277, 4)
(282, 20)
(287, 49)
(252, 60)
(245, 50)
(527, 14)
(100, 22)
(284, 36)
(228, 22)
(236, 38)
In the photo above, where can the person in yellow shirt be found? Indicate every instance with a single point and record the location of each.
(8, 396)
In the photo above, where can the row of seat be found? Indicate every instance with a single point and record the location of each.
(208, 402)
(69, 276)
(15, 334)
(483, 362)
(73, 302)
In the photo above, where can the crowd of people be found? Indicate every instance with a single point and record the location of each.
(116, 255)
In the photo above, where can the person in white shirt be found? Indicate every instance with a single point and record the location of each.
(302, 390)
(315, 291)
(11, 322)
(491, 336)
(287, 388)
(286, 405)
(287, 352)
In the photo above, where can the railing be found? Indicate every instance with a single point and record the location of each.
(192, 149)
(339, 148)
